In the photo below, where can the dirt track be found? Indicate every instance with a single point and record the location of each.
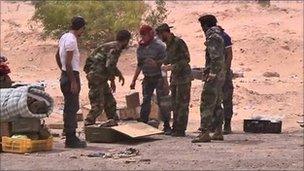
(238, 151)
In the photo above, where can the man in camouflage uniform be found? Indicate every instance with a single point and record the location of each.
(215, 71)
(101, 67)
(228, 85)
(177, 60)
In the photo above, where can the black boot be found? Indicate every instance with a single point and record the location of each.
(218, 135)
(72, 141)
(227, 127)
(142, 120)
(89, 121)
(167, 130)
(204, 137)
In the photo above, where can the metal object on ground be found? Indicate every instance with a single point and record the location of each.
(262, 126)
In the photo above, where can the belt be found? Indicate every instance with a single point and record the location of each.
(75, 72)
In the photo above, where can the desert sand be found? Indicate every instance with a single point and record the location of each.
(264, 40)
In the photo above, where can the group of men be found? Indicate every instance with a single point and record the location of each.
(159, 51)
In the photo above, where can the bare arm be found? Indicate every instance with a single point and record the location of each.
(69, 70)
(229, 57)
(57, 56)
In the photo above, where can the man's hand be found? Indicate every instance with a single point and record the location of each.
(137, 72)
(113, 86)
(74, 87)
(132, 86)
(150, 62)
(167, 67)
(211, 77)
(121, 79)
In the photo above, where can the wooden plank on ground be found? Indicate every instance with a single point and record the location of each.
(136, 129)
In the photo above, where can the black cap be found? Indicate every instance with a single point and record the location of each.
(77, 23)
(163, 27)
(123, 35)
(209, 20)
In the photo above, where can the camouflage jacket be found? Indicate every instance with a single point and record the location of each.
(215, 52)
(179, 57)
(102, 62)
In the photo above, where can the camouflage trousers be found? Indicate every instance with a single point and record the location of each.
(211, 103)
(227, 100)
(228, 95)
(180, 101)
(101, 98)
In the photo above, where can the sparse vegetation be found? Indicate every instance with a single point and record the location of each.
(158, 15)
(264, 3)
(104, 18)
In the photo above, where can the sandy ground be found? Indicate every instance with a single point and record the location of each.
(264, 39)
(238, 151)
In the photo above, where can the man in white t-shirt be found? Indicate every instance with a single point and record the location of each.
(68, 60)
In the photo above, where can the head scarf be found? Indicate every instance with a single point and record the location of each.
(144, 30)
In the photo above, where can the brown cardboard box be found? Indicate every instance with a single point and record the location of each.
(128, 113)
(132, 100)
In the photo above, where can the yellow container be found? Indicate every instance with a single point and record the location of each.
(18, 145)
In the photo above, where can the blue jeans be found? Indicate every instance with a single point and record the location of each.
(150, 84)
